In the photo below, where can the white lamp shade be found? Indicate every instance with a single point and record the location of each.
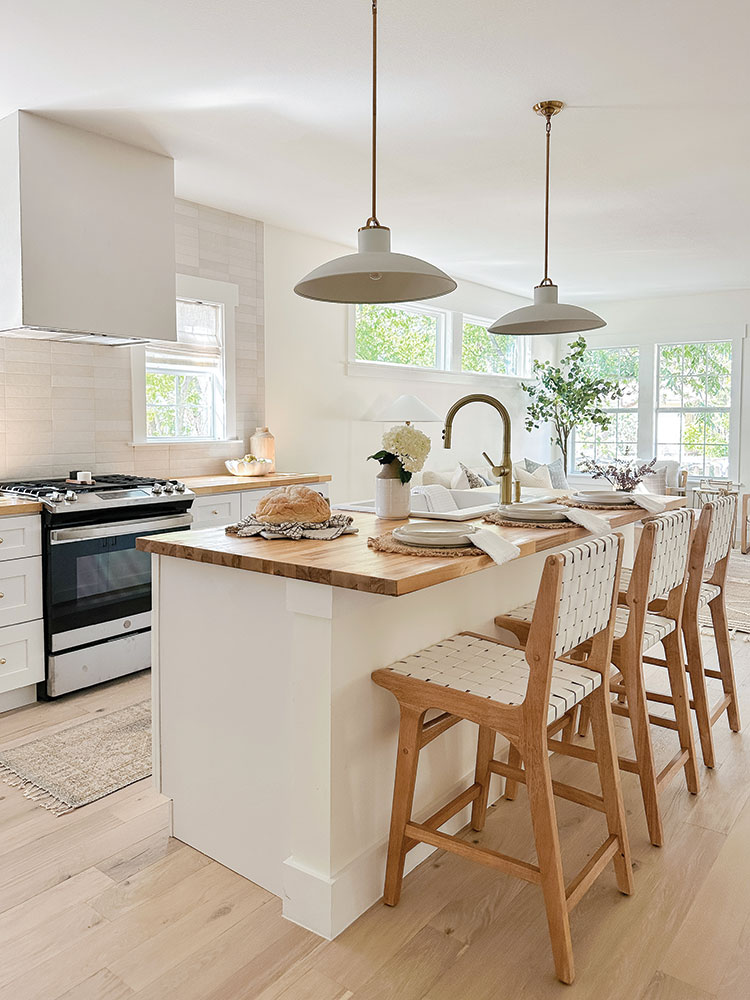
(408, 408)
(374, 274)
(547, 316)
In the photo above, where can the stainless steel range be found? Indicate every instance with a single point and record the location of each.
(97, 585)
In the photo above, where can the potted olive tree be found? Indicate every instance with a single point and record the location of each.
(568, 395)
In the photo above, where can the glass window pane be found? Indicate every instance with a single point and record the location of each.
(668, 427)
(482, 351)
(396, 336)
(670, 375)
(619, 439)
(160, 387)
(719, 374)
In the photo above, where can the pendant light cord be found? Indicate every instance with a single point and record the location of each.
(546, 279)
(372, 222)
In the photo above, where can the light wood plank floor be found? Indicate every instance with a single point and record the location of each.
(101, 905)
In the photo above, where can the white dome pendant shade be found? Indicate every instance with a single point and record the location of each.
(547, 315)
(374, 274)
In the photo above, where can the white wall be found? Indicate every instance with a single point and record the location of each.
(318, 412)
(687, 317)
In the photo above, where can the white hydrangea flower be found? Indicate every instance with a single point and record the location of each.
(410, 446)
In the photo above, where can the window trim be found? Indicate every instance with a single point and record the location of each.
(573, 471)
(450, 332)
(209, 290)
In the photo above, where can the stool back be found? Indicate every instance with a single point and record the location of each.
(721, 533)
(669, 554)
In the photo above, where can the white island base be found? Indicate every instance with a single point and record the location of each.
(271, 740)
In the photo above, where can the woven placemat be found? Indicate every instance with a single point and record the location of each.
(387, 543)
(591, 506)
(499, 519)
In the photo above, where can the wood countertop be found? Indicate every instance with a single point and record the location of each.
(348, 562)
(201, 485)
(13, 505)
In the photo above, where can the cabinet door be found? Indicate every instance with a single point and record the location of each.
(20, 536)
(215, 510)
(21, 655)
(20, 590)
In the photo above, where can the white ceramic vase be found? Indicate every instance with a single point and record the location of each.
(392, 497)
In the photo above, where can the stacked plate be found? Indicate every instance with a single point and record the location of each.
(431, 535)
(603, 498)
(534, 512)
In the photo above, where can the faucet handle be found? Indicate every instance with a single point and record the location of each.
(497, 470)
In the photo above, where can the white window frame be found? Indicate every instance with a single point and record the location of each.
(613, 411)
(448, 368)
(210, 291)
(648, 383)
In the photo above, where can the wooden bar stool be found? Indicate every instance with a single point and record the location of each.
(659, 573)
(525, 695)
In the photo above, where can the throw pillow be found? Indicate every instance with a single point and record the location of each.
(431, 478)
(655, 483)
(558, 479)
(475, 481)
(539, 479)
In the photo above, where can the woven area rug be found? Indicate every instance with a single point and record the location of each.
(79, 765)
(738, 594)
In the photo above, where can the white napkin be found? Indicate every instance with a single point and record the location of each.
(649, 502)
(438, 499)
(587, 519)
(498, 549)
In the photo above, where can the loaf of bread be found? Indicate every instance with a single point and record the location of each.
(295, 504)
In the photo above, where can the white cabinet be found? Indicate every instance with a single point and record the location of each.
(20, 536)
(21, 655)
(215, 510)
(21, 627)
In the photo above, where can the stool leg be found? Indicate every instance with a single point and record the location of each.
(514, 759)
(566, 733)
(678, 686)
(691, 631)
(544, 820)
(632, 674)
(482, 775)
(583, 720)
(609, 779)
(403, 798)
(724, 649)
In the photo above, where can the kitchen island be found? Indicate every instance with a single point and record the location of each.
(272, 742)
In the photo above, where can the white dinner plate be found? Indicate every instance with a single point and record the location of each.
(603, 497)
(534, 512)
(432, 535)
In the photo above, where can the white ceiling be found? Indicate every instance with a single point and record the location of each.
(264, 105)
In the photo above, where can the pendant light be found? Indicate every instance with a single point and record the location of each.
(374, 273)
(547, 315)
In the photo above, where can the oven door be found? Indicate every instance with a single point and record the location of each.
(97, 584)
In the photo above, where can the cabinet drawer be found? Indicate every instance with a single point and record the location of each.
(215, 509)
(250, 498)
(20, 536)
(21, 655)
(20, 590)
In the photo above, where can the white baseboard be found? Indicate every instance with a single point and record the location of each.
(18, 698)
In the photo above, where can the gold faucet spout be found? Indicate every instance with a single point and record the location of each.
(504, 471)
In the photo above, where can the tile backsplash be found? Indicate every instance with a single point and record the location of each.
(65, 406)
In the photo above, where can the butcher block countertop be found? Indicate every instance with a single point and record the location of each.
(230, 484)
(348, 562)
(12, 505)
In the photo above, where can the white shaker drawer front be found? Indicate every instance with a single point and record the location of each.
(21, 655)
(250, 498)
(215, 510)
(20, 536)
(20, 590)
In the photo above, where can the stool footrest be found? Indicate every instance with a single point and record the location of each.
(493, 859)
(591, 871)
(716, 674)
(569, 792)
(668, 772)
(655, 720)
(719, 708)
(436, 727)
(655, 661)
(448, 811)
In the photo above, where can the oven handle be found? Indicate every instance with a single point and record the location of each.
(59, 536)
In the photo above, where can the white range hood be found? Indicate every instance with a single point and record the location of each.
(86, 235)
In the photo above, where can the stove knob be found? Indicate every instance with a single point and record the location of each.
(179, 487)
(168, 488)
(54, 497)
(157, 489)
(71, 496)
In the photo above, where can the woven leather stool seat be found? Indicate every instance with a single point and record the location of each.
(655, 627)
(489, 670)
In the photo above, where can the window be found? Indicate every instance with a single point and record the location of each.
(436, 340)
(694, 397)
(184, 390)
(620, 439)
(184, 381)
(400, 335)
(488, 353)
